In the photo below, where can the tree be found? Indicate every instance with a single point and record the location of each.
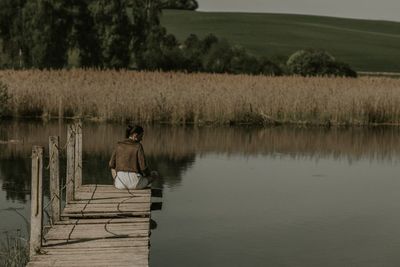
(342, 69)
(44, 33)
(151, 55)
(267, 67)
(11, 33)
(180, 4)
(317, 62)
(192, 52)
(242, 62)
(218, 58)
(113, 31)
(146, 31)
(82, 36)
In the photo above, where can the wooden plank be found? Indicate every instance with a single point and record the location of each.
(99, 243)
(109, 189)
(124, 199)
(91, 262)
(98, 264)
(82, 262)
(36, 201)
(96, 227)
(105, 214)
(79, 251)
(154, 192)
(107, 207)
(60, 232)
(76, 236)
(103, 221)
(54, 164)
(70, 163)
(105, 195)
(91, 258)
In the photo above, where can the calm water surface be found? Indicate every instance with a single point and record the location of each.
(281, 196)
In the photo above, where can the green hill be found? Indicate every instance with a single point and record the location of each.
(365, 44)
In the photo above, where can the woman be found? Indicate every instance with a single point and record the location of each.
(128, 163)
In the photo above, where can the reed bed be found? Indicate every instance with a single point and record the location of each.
(14, 250)
(202, 98)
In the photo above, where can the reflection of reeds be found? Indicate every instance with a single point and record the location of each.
(177, 142)
(14, 250)
(197, 98)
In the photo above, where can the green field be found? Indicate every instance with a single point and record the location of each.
(365, 44)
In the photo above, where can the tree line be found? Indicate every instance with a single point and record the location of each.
(114, 34)
(98, 33)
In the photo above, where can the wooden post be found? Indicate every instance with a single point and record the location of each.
(78, 155)
(35, 242)
(60, 109)
(55, 195)
(70, 164)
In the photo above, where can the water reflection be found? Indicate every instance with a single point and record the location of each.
(173, 150)
(13, 173)
(285, 196)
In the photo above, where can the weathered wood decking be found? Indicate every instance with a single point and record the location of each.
(103, 226)
(99, 225)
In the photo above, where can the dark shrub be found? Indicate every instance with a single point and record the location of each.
(218, 58)
(317, 63)
(208, 42)
(268, 67)
(192, 51)
(180, 4)
(343, 69)
(173, 59)
(242, 62)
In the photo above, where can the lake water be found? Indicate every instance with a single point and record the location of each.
(283, 196)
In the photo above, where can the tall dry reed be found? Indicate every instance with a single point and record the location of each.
(14, 250)
(202, 98)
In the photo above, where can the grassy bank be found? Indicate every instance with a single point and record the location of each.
(366, 45)
(202, 98)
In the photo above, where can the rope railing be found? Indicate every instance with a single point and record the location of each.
(52, 209)
(63, 148)
(69, 184)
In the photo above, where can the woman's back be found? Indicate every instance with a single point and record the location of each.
(128, 163)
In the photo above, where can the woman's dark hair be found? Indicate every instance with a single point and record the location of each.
(131, 129)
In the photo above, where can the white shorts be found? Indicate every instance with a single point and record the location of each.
(130, 180)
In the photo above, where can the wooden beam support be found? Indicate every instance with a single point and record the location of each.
(54, 164)
(70, 164)
(35, 242)
(78, 155)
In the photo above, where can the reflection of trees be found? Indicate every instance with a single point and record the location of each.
(171, 168)
(348, 143)
(95, 168)
(172, 150)
(15, 173)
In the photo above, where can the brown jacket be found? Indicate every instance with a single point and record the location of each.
(129, 156)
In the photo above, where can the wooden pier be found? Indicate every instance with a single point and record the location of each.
(98, 225)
